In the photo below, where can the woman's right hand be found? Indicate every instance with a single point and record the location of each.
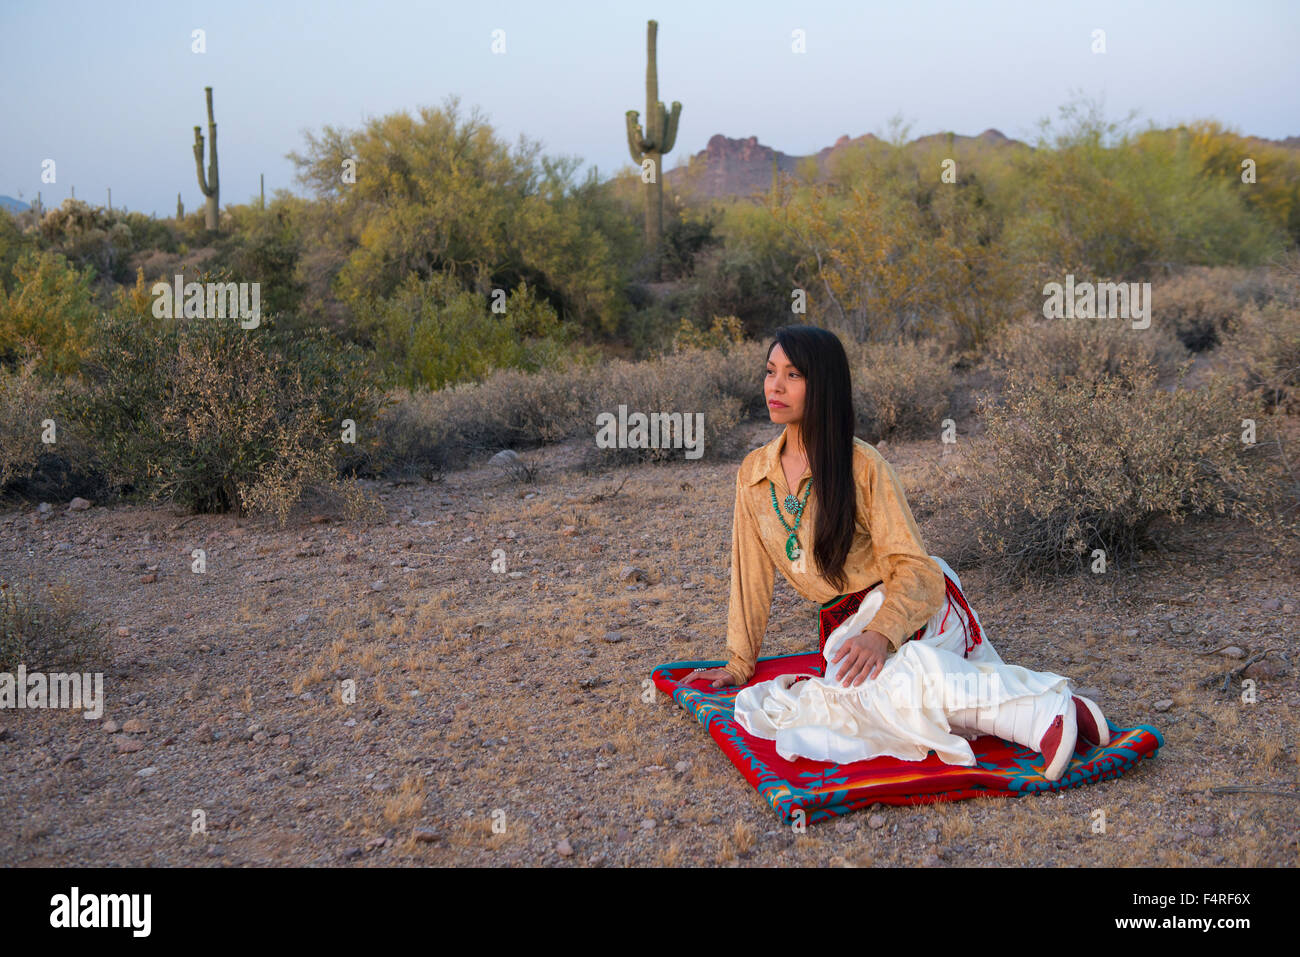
(720, 677)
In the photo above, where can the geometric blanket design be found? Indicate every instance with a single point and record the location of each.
(812, 791)
(808, 791)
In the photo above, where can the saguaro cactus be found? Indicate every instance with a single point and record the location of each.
(208, 187)
(180, 207)
(658, 138)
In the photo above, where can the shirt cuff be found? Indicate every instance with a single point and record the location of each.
(737, 672)
(891, 626)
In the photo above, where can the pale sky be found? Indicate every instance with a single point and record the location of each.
(111, 90)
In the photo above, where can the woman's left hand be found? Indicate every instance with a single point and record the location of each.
(863, 657)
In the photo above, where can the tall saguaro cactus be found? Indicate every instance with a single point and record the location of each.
(208, 187)
(658, 138)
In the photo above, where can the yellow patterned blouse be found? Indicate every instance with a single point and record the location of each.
(886, 547)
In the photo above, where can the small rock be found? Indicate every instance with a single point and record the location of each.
(1089, 692)
(931, 860)
(1164, 704)
(1130, 632)
(504, 457)
(147, 772)
(78, 505)
(260, 737)
(648, 824)
(1232, 651)
(283, 740)
(681, 767)
(148, 579)
(424, 835)
(1272, 604)
(203, 733)
(564, 848)
(1203, 830)
(126, 745)
(301, 619)
(351, 853)
(110, 726)
(876, 821)
(612, 637)
(569, 530)
(1265, 668)
(124, 632)
(135, 726)
(44, 508)
(631, 573)
(377, 585)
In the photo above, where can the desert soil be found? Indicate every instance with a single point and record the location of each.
(498, 717)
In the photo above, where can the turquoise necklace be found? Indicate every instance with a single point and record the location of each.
(794, 507)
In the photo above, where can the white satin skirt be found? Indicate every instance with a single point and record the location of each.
(927, 697)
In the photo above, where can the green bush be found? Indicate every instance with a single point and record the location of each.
(49, 310)
(432, 333)
(214, 417)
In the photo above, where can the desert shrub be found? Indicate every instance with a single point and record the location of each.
(738, 370)
(25, 399)
(33, 407)
(1086, 349)
(264, 247)
(1198, 303)
(91, 236)
(49, 310)
(1262, 347)
(900, 390)
(679, 383)
(213, 417)
(1069, 467)
(723, 332)
(513, 407)
(431, 333)
(46, 626)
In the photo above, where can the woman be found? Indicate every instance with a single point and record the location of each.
(908, 669)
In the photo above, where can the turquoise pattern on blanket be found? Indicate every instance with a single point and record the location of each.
(824, 791)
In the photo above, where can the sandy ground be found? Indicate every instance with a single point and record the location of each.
(498, 722)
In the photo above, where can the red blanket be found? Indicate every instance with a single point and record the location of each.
(814, 790)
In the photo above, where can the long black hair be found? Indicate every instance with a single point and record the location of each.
(827, 429)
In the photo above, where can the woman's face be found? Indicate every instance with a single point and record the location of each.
(783, 388)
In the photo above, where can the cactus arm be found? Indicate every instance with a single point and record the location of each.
(635, 141)
(670, 127)
(198, 162)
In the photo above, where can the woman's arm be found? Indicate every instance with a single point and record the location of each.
(913, 582)
(753, 577)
